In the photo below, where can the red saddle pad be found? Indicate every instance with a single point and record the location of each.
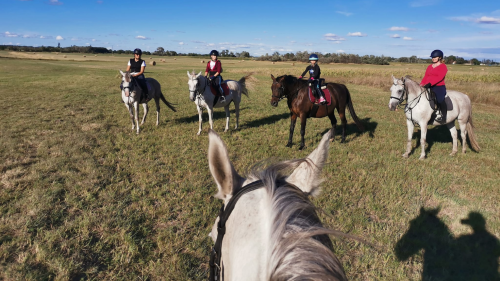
(224, 86)
(328, 97)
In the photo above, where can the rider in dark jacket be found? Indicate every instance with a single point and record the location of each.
(314, 72)
(136, 66)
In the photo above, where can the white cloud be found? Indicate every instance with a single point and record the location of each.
(423, 3)
(8, 34)
(55, 2)
(407, 38)
(340, 51)
(93, 40)
(181, 43)
(333, 37)
(356, 34)
(399, 28)
(395, 36)
(75, 39)
(488, 20)
(344, 13)
(59, 37)
(142, 37)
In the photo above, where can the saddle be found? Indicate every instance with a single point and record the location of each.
(224, 87)
(323, 89)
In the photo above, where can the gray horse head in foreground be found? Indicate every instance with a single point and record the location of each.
(418, 111)
(132, 99)
(273, 232)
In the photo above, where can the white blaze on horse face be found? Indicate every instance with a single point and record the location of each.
(397, 90)
(193, 85)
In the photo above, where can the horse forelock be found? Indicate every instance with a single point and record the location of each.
(299, 244)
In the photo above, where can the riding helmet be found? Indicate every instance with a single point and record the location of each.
(138, 51)
(214, 53)
(313, 57)
(437, 53)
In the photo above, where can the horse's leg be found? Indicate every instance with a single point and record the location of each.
(293, 119)
(333, 120)
(410, 126)
(303, 121)
(463, 133)
(210, 116)
(157, 101)
(146, 109)
(129, 108)
(344, 122)
(226, 108)
(453, 131)
(423, 137)
(136, 108)
(200, 114)
(237, 113)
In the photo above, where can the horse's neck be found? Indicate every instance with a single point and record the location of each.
(246, 243)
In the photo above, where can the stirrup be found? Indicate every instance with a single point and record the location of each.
(439, 116)
(222, 99)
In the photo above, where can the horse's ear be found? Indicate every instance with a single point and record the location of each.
(189, 75)
(272, 77)
(198, 75)
(403, 79)
(307, 175)
(227, 179)
(123, 74)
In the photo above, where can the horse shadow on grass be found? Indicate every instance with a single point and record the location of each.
(267, 120)
(351, 128)
(467, 257)
(438, 134)
(216, 115)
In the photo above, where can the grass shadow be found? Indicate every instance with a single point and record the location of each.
(351, 128)
(438, 134)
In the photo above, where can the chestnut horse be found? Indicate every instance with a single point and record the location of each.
(296, 93)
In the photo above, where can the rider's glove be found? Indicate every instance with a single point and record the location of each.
(427, 86)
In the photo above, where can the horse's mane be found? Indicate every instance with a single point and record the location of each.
(413, 86)
(300, 246)
(290, 80)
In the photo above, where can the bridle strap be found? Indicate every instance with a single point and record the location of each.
(215, 255)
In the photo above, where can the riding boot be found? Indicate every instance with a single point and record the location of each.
(145, 90)
(441, 112)
(322, 99)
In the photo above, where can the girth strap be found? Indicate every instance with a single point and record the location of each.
(215, 255)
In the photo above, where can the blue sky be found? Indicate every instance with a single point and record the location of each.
(391, 28)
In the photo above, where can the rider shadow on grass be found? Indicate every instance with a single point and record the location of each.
(467, 257)
(437, 134)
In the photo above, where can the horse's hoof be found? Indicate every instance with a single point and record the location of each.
(453, 153)
(289, 144)
(422, 157)
(342, 141)
(301, 147)
(332, 139)
(405, 155)
(198, 133)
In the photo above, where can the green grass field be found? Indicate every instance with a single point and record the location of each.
(83, 197)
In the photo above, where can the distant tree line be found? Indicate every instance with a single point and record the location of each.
(160, 51)
(328, 58)
(71, 49)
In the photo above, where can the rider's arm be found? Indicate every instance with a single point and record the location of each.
(305, 71)
(438, 75)
(142, 71)
(425, 80)
(128, 66)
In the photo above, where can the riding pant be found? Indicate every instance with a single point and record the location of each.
(316, 88)
(141, 80)
(440, 92)
(217, 81)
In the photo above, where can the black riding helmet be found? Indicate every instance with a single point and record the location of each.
(138, 51)
(214, 53)
(437, 53)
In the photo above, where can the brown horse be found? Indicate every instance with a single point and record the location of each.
(296, 93)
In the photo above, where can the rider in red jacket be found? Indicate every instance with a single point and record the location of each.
(213, 71)
(434, 79)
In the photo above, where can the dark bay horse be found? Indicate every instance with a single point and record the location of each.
(296, 93)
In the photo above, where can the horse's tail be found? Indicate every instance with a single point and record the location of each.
(352, 112)
(470, 132)
(243, 84)
(170, 105)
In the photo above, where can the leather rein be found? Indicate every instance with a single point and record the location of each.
(225, 212)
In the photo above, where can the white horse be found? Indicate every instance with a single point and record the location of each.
(419, 111)
(268, 229)
(131, 98)
(200, 93)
